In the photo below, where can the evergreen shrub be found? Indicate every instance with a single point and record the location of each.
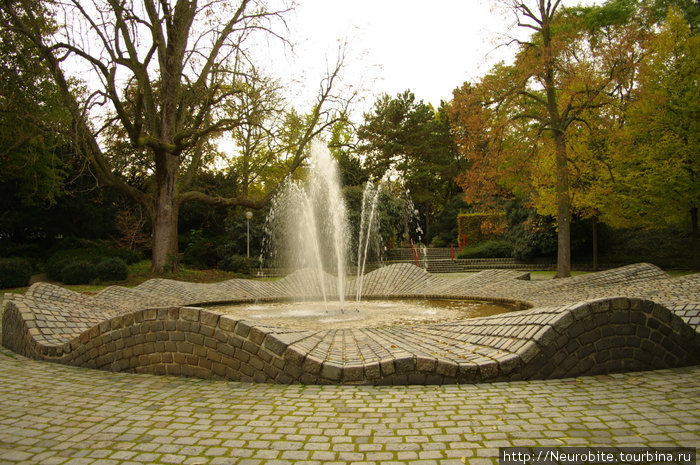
(238, 264)
(81, 272)
(112, 269)
(202, 252)
(14, 272)
(94, 250)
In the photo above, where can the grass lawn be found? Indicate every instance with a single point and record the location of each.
(140, 272)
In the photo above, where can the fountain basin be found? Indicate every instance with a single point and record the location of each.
(631, 318)
(373, 313)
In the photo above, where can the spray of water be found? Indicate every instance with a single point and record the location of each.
(325, 191)
(307, 225)
(368, 216)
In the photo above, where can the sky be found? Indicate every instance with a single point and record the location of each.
(393, 45)
(430, 47)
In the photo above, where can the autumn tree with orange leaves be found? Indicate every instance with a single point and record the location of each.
(519, 116)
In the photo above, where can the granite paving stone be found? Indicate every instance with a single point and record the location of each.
(620, 345)
(74, 415)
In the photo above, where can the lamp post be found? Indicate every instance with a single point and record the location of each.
(248, 216)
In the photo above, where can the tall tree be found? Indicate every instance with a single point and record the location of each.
(33, 124)
(181, 61)
(556, 79)
(656, 157)
(259, 155)
(497, 148)
(408, 137)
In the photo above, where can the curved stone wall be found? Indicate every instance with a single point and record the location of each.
(152, 329)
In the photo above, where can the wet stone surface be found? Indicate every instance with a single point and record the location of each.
(363, 314)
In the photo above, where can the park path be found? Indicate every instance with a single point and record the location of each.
(53, 414)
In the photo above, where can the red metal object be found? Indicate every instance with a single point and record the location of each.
(452, 251)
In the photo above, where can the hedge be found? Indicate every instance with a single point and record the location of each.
(112, 269)
(488, 249)
(480, 227)
(238, 264)
(82, 272)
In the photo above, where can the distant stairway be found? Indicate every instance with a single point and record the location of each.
(438, 260)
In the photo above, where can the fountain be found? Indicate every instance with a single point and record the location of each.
(308, 225)
(307, 229)
(368, 219)
(632, 318)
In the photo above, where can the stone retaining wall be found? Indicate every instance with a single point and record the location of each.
(603, 336)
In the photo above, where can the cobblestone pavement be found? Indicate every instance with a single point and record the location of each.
(52, 414)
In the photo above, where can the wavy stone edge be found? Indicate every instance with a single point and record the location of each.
(605, 335)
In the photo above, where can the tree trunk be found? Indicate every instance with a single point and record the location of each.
(694, 238)
(165, 214)
(595, 243)
(563, 212)
(558, 129)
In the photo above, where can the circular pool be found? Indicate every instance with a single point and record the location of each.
(364, 314)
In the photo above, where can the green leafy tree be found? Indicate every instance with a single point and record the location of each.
(525, 115)
(33, 123)
(656, 158)
(690, 9)
(407, 137)
(258, 158)
(343, 147)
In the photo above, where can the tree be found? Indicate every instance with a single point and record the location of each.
(343, 147)
(536, 104)
(257, 160)
(167, 71)
(409, 138)
(656, 156)
(541, 56)
(33, 125)
(493, 143)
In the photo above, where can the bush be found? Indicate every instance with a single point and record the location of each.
(238, 264)
(93, 255)
(532, 235)
(111, 269)
(12, 249)
(14, 272)
(488, 249)
(444, 229)
(55, 266)
(202, 252)
(94, 250)
(666, 248)
(82, 272)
